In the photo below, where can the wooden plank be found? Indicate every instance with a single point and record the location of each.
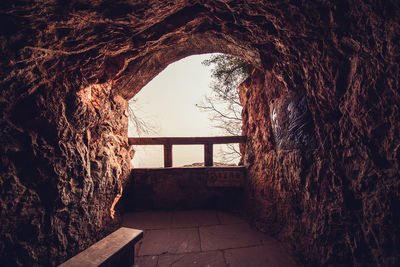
(208, 154)
(108, 250)
(167, 155)
(186, 140)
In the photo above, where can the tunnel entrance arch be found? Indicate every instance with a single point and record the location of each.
(136, 74)
(341, 56)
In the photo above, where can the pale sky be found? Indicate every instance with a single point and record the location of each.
(169, 103)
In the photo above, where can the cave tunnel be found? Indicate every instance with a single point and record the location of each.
(329, 190)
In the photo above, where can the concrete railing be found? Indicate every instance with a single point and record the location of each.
(168, 142)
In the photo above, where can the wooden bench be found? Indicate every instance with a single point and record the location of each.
(116, 249)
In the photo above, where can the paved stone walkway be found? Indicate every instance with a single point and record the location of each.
(202, 238)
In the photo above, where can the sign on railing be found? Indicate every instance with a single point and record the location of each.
(168, 142)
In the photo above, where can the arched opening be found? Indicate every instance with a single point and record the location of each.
(147, 67)
(180, 102)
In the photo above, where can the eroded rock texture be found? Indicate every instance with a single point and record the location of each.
(330, 188)
(63, 163)
(323, 160)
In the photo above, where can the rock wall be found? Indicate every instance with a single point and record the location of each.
(64, 160)
(326, 182)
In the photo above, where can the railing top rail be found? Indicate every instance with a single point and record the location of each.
(186, 140)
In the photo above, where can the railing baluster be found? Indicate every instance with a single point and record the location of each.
(167, 155)
(208, 154)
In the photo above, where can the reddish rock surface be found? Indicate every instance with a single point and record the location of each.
(324, 174)
(68, 67)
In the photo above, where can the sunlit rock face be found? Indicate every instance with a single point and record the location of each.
(321, 112)
(63, 161)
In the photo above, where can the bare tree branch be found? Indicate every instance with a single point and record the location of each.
(139, 124)
(223, 104)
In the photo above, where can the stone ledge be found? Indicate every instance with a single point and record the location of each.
(185, 188)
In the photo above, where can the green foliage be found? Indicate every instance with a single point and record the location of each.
(223, 105)
(228, 71)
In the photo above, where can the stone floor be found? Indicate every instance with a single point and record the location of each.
(202, 238)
